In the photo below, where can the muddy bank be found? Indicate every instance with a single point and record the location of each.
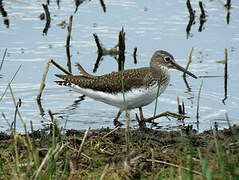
(153, 153)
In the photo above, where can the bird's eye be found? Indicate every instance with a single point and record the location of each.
(167, 59)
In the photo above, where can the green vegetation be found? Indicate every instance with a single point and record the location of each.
(154, 154)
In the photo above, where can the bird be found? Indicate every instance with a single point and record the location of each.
(141, 86)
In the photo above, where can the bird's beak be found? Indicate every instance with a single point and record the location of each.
(180, 68)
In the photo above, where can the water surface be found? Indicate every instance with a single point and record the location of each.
(149, 25)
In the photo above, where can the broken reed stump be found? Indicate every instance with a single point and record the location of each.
(198, 99)
(191, 17)
(228, 4)
(225, 77)
(98, 44)
(102, 3)
(42, 86)
(187, 66)
(69, 28)
(202, 17)
(189, 60)
(121, 43)
(135, 54)
(4, 15)
(3, 58)
(48, 19)
(181, 109)
(190, 9)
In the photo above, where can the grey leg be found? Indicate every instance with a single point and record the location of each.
(116, 122)
(142, 123)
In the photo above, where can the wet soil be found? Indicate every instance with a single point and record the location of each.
(152, 152)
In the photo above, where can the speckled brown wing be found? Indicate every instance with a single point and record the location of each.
(111, 82)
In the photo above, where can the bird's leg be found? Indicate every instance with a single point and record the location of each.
(141, 121)
(141, 114)
(116, 122)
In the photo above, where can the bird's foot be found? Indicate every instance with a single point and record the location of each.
(142, 124)
(117, 123)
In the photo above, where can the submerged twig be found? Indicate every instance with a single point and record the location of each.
(180, 108)
(3, 58)
(69, 28)
(198, 98)
(225, 78)
(77, 4)
(190, 9)
(134, 54)
(99, 45)
(58, 4)
(202, 16)
(42, 86)
(4, 15)
(191, 17)
(102, 3)
(202, 9)
(48, 19)
(103, 52)
(167, 113)
(228, 4)
(10, 82)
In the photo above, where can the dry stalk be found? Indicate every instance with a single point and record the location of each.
(135, 54)
(42, 86)
(175, 165)
(104, 172)
(43, 80)
(83, 141)
(127, 131)
(189, 60)
(225, 77)
(69, 28)
(153, 158)
(167, 113)
(50, 152)
(109, 133)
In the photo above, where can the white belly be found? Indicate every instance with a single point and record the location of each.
(135, 98)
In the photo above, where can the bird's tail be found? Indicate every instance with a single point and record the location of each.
(63, 83)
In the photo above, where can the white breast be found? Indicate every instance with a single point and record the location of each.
(135, 98)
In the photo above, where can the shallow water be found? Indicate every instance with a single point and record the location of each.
(149, 25)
